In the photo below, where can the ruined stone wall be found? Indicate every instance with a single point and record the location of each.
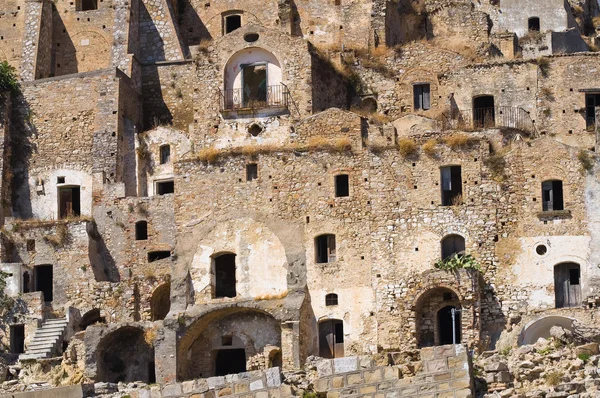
(159, 33)
(461, 23)
(553, 16)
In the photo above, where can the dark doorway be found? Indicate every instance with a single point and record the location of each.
(451, 245)
(17, 339)
(141, 230)
(225, 276)
(251, 171)
(591, 102)
(232, 22)
(445, 326)
(451, 179)
(567, 285)
(255, 85)
(26, 282)
(158, 255)
(90, 318)
(534, 24)
(43, 281)
(331, 339)
(151, 372)
(69, 202)
(552, 195)
(342, 185)
(230, 362)
(483, 111)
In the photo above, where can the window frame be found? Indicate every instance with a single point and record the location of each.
(164, 158)
(325, 249)
(419, 96)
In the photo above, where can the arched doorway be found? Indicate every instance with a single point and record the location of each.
(160, 304)
(91, 317)
(227, 341)
(484, 115)
(451, 245)
(448, 327)
(124, 355)
(434, 319)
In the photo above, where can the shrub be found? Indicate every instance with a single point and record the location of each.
(584, 356)
(318, 144)
(553, 378)
(459, 141)
(60, 237)
(8, 77)
(209, 155)
(343, 144)
(430, 148)
(544, 65)
(407, 147)
(587, 162)
(505, 351)
(547, 94)
(456, 262)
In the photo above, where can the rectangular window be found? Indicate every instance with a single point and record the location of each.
(552, 196)
(451, 185)
(165, 187)
(342, 185)
(325, 249)
(251, 172)
(422, 96)
(232, 22)
(574, 276)
(165, 154)
(69, 202)
(591, 102)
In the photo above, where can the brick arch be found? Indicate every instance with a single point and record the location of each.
(217, 16)
(88, 57)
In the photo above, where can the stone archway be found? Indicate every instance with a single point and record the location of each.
(160, 303)
(431, 323)
(124, 355)
(227, 341)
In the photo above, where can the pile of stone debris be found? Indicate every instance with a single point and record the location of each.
(567, 364)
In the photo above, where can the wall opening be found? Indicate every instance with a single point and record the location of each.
(224, 272)
(422, 96)
(433, 322)
(592, 101)
(160, 303)
(567, 285)
(232, 22)
(91, 317)
(552, 195)
(331, 338)
(368, 105)
(276, 359)
(451, 245)
(87, 5)
(251, 171)
(342, 186)
(451, 179)
(533, 24)
(141, 230)
(254, 81)
(325, 251)
(17, 339)
(158, 255)
(445, 325)
(230, 361)
(69, 202)
(43, 281)
(165, 154)
(125, 356)
(165, 187)
(26, 282)
(484, 115)
(331, 299)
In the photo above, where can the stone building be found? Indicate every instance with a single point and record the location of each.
(219, 186)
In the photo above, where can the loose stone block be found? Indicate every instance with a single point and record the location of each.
(256, 385)
(345, 365)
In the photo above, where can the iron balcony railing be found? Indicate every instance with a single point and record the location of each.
(482, 118)
(259, 98)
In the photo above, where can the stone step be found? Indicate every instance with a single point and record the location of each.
(31, 356)
(41, 344)
(40, 333)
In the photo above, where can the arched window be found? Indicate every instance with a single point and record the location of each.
(552, 195)
(325, 249)
(331, 299)
(141, 230)
(224, 276)
(534, 24)
(452, 244)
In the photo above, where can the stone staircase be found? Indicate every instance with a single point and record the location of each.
(47, 340)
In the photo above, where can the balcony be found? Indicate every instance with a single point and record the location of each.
(269, 100)
(486, 118)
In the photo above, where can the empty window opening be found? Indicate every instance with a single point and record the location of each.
(276, 360)
(158, 255)
(43, 281)
(567, 287)
(592, 101)
(160, 303)
(30, 245)
(552, 195)
(69, 202)
(60, 180)
(226, 340)
(165, 187)
(90, 318)
(342, 185)
(87, 5)
(331, 299)
(254, 85)
(224, 271)
(451, 245)
(165, 154)
(26, 282)
(255, 129)
(422, 96)
(451, 185)
(541, 250)
(230, 361)
(331, 339)
(484, 114)
(445, 325)
(251, 172)
(17, 339)
(232, 22)
(534, 24)
(141, 230)
(325, 249)
(369, 105)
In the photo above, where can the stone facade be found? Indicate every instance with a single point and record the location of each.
(225, 186)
